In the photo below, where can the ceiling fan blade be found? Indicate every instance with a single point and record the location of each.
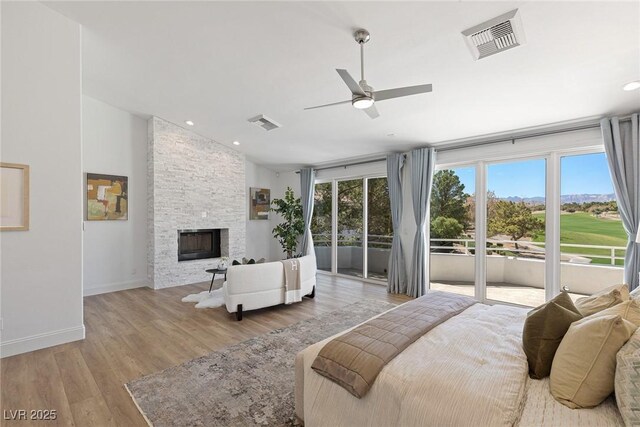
(381, 95)
(354, 87)
(372, 111)
(328, 105)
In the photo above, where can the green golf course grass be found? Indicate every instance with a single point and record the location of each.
(582, 228)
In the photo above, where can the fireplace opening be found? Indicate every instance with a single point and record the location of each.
(198, 244)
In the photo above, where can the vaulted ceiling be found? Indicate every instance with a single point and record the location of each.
(220, 63)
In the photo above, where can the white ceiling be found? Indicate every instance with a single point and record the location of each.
(220, 63)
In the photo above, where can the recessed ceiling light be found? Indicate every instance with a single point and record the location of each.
(236, 143)
(189, 122)
(632, 85)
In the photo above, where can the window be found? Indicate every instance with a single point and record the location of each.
(592, 239)
(515, 248)
(544, 221)
(452, 230)
(350, 227)
(358, 216)
(321, 225)
(380, 228)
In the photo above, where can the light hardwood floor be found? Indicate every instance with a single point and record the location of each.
(133, 333)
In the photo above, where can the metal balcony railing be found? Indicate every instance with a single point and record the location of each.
(526, 249)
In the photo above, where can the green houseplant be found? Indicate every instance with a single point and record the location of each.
(287, 232)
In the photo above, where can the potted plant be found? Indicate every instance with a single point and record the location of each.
(287, 232)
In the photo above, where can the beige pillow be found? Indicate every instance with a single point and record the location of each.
(628, 310)
(635, 294)
(583, 370)
(602, 300)
(628, 381)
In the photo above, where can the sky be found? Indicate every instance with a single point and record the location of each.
(583, 174)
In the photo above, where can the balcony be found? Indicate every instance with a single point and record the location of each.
(510, 270)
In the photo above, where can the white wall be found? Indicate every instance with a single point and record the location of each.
(259, 237)
(114, 142)
(41, 290)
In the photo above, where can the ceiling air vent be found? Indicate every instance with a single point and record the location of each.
(495, 35)
(265, 122)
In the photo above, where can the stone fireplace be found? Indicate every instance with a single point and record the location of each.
(195, 184)
(198, 244)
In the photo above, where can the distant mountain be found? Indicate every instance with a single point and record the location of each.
(567, 198)
(526, 200)
(584, 198)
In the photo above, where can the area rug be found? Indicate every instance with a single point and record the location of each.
(206, 299)
(249, 383)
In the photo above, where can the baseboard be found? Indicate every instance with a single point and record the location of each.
(39, 341)
(113, 287)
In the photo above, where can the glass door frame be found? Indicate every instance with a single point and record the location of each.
(550, 235)
(552, 214)
(365, 226)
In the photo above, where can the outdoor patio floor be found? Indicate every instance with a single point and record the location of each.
(503, 292)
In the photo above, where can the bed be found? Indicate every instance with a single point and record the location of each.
(468, 370)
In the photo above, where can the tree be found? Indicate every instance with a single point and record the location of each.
(321, 219)
(446, 228)
(513, 219)
(287, 232)
(448, 200)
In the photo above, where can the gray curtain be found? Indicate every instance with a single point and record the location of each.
(397, 277)
(307, 182)
(422, 165)
(622, 146)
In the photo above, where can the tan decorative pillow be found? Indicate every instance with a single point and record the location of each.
(602, 300)
(635, 294)
(543, 331)
(628, 310)
(628, 381)
(583, 370)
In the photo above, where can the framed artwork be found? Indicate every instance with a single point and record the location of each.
(260, 203)
(14, 197)
(107, 197)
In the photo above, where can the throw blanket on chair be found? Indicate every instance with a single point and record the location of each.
(292, 290)
(354, 360)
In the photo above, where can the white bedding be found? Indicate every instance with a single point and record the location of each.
(470, 370)
(541, 409)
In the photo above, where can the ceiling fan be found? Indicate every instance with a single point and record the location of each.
(363, 97)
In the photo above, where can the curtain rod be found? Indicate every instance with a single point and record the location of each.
(345, 165)
(515, 137)
(482, 142)
(593, 124)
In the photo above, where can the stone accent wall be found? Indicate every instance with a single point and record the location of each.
(189, 175)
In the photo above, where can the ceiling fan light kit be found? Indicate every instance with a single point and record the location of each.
(363, 97)
(362, 103)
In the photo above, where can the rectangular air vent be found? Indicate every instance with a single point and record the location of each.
(495, 35)
(265, 122)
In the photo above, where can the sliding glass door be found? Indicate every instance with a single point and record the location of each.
(592, 239)
(352, 228)
(379, 228)
(321, 224)
(515, 243)
(350, 201)
(453, 229)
